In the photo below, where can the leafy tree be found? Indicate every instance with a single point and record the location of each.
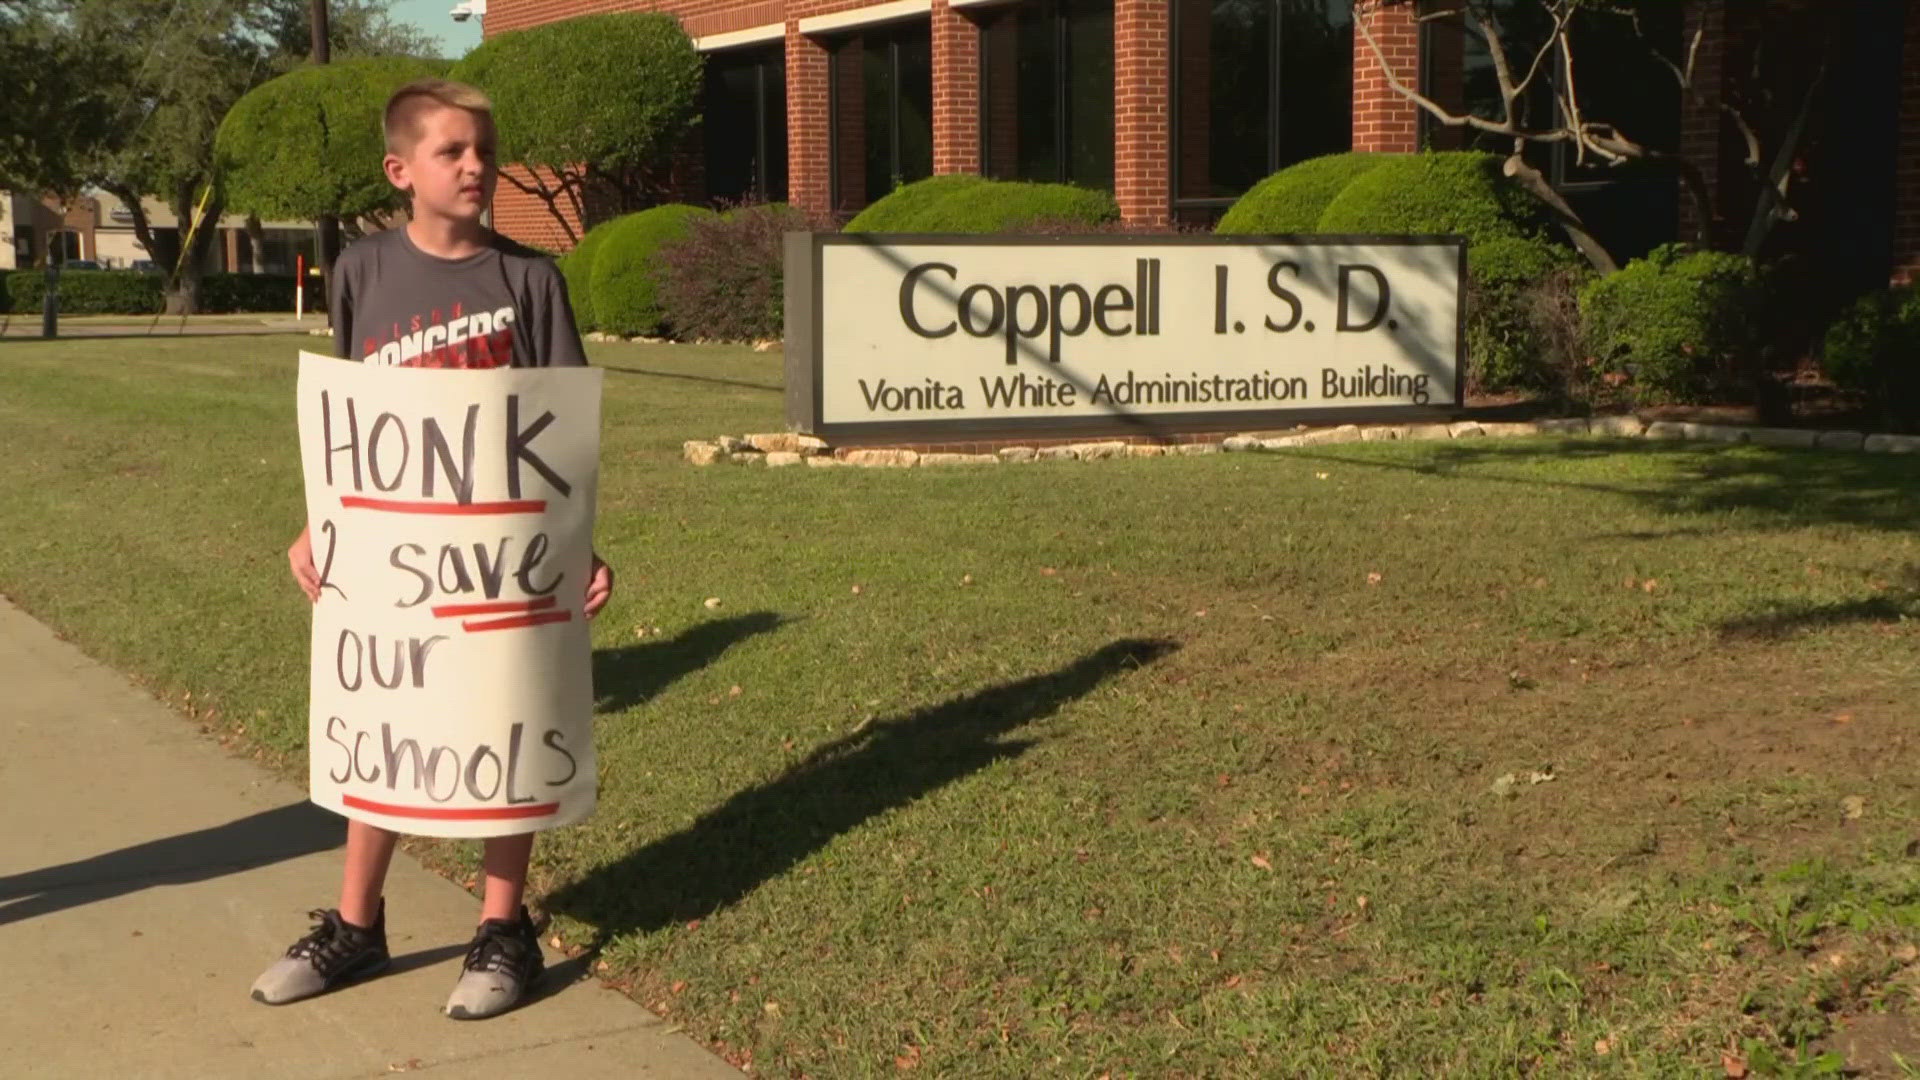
(53, 114)
(309, 142)
(168, 75)
(598, 98)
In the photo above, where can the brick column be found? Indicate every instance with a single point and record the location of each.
(956, 91)
(1700, 120)
(1906, 195)
(1383, 121)
(1142, 86)
(809, 147)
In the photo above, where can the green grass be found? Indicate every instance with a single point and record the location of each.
(1127, 768)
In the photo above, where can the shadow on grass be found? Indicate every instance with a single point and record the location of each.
(765, 830)
(1783, 621)
(1794, 487)
(271, 836)
(633, 674)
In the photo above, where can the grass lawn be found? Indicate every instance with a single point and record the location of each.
(1176, 767)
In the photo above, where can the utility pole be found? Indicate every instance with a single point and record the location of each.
(327, 235)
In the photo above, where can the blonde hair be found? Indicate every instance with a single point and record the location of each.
(413, 101)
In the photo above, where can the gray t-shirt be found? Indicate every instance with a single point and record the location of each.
(506, 306)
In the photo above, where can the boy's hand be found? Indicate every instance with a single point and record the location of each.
(300, 561)
(599, 586)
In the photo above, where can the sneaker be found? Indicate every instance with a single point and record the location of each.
(502, 962)
(335, 953)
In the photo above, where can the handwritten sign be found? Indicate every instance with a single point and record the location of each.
(451, 514)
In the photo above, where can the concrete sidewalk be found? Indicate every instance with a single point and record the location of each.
(146, 877)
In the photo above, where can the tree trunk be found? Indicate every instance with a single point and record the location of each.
(183, 297)
(257, 241)
(1576, 230)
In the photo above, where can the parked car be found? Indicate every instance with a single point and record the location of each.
(144, 266)
(82, 264)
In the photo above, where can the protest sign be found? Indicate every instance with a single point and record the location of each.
(451, 515)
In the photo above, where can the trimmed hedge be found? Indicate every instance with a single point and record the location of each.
(1294, 199)
(576, 267)
(1678, 322)
(89, 292)
(971, 205)
(1874, 347)
(725, 280)
(222, 294)
(626, 269)
(1506, 348)
(1455, 193)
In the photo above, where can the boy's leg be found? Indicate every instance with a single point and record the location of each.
(505, 956)
(505, 865)
(369, 853)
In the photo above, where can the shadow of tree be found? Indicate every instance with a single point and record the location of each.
(1795, 487)
(633, 674)
(765, 830)
(1784, 620)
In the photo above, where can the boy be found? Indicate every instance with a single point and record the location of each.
(445, 291)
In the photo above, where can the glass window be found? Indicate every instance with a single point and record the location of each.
(882, 92)
(1259, 85)
(745, 125)
(1047, 76)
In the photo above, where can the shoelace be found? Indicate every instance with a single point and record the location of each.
(326, 945)
(498, 950)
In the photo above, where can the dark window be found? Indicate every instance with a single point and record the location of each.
(881, 87)
(1630, 207)
(745, 122)
(65, 245)
(1046, 72)
(1258, 86)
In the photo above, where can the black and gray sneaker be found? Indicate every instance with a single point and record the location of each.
(503, 961)
(334, 953)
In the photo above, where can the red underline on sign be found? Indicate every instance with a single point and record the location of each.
(451, 813)
(517, 622)
(503, 607)
(401, 506)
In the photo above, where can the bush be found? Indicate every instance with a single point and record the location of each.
(625, 280)
(1294, 199)
(1678, 323)
(1450, 193)
(725, 280)
(1874, 347)
(1507, 348)
(89, 292)
(971, 205)
(222, 294)
(577, 267)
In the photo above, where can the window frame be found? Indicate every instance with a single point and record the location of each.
(1058, 19)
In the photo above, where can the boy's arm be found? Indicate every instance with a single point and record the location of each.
(340, 310)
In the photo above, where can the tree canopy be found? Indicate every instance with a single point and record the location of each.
(601, 97)
(309, 142)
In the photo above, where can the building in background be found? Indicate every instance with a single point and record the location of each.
(99, 227)
(1178, 106)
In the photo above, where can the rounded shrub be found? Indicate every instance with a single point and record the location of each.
(1874, 347)
(1676, 323)
(577, 267)
(626, 269)
(971, 205)
(1506, 346)
(1294, 199)
(1436, 193)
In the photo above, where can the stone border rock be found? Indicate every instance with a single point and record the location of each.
(781, 449)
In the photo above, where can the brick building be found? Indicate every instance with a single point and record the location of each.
(1177, 106)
